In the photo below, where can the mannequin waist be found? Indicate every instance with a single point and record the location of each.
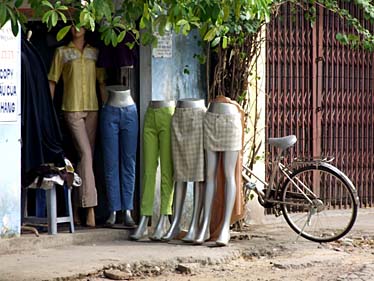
(119, 96)
(119, 99)
(191, 103)
(161, 103)
(222, 108)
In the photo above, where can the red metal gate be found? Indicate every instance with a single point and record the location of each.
(322, 92)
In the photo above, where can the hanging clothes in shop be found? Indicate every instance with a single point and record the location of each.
(40, 131)
(119, 56)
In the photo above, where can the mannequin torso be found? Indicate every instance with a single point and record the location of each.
(191, 103)
(222, 108)
(119, 98)
(161, 103)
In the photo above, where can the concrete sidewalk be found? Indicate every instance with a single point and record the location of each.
(71, 256)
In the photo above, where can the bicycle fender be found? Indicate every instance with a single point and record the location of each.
(345, 177)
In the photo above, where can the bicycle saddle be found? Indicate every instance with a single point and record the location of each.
(284, 142)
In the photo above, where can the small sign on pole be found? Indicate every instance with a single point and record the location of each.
(164, 47)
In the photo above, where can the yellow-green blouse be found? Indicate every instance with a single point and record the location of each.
(79, 73)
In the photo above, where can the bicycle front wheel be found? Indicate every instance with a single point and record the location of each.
(319, 202)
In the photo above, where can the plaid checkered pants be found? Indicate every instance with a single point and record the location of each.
(187, 144)
(222, 132)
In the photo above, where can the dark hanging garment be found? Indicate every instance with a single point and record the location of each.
(119, 56)
(40, 130)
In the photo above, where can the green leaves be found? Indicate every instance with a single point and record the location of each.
(221, 23)
(342, 38)
(8, 11)
(14, 21)
(62, 32)
(53, 13)
(87, 19)
(359, 36)
(3, 14)
(184, 26)
(210, 35)
(18, 3)
(147, 38)
(103, 9)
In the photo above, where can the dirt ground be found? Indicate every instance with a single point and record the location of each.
(276, 258)
(344, 260)
(274, 252)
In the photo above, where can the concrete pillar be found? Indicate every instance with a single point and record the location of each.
(254, 211)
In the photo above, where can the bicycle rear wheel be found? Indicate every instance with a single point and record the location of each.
(319, 202)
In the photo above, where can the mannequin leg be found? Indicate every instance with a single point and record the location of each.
(128, 220)
(159, 231)
(142, 229)
(198, 204)
(76, 217)
(112, 218)
(90, 220)
(211, 160)
(179, 198)
(229, 163)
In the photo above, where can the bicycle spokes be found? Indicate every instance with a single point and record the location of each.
(322, 208)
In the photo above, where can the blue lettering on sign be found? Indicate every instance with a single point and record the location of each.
(6, 73)
(8, 90)
(7, 107)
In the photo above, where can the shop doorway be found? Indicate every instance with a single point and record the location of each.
(128, 76)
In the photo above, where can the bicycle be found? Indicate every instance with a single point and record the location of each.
(317, 200)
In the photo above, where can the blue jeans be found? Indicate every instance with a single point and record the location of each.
(119, 133)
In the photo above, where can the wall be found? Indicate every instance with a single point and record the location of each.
(181, 75)
(254, 211)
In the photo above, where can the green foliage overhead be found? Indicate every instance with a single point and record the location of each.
(224, 22)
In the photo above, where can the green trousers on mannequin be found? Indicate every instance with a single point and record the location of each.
(157, 144)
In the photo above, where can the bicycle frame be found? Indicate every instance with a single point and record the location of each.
(277, 165)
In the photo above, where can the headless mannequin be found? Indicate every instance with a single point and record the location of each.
(79, 42)
(229, 161)
(142, 229)
(118, 99)
(180, 192)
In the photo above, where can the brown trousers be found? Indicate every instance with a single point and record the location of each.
(82, 126)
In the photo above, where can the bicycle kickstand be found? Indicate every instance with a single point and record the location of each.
(305, 224)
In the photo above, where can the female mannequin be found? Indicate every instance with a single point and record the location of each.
(156, 144)
(119, 132)
(76, 62)
(188, 159)
(222, 135)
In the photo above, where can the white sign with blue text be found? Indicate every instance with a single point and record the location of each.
(9, 75)
(10, 133)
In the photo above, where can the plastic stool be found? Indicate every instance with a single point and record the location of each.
(52, 220)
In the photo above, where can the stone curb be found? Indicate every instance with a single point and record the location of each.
(31, 242)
